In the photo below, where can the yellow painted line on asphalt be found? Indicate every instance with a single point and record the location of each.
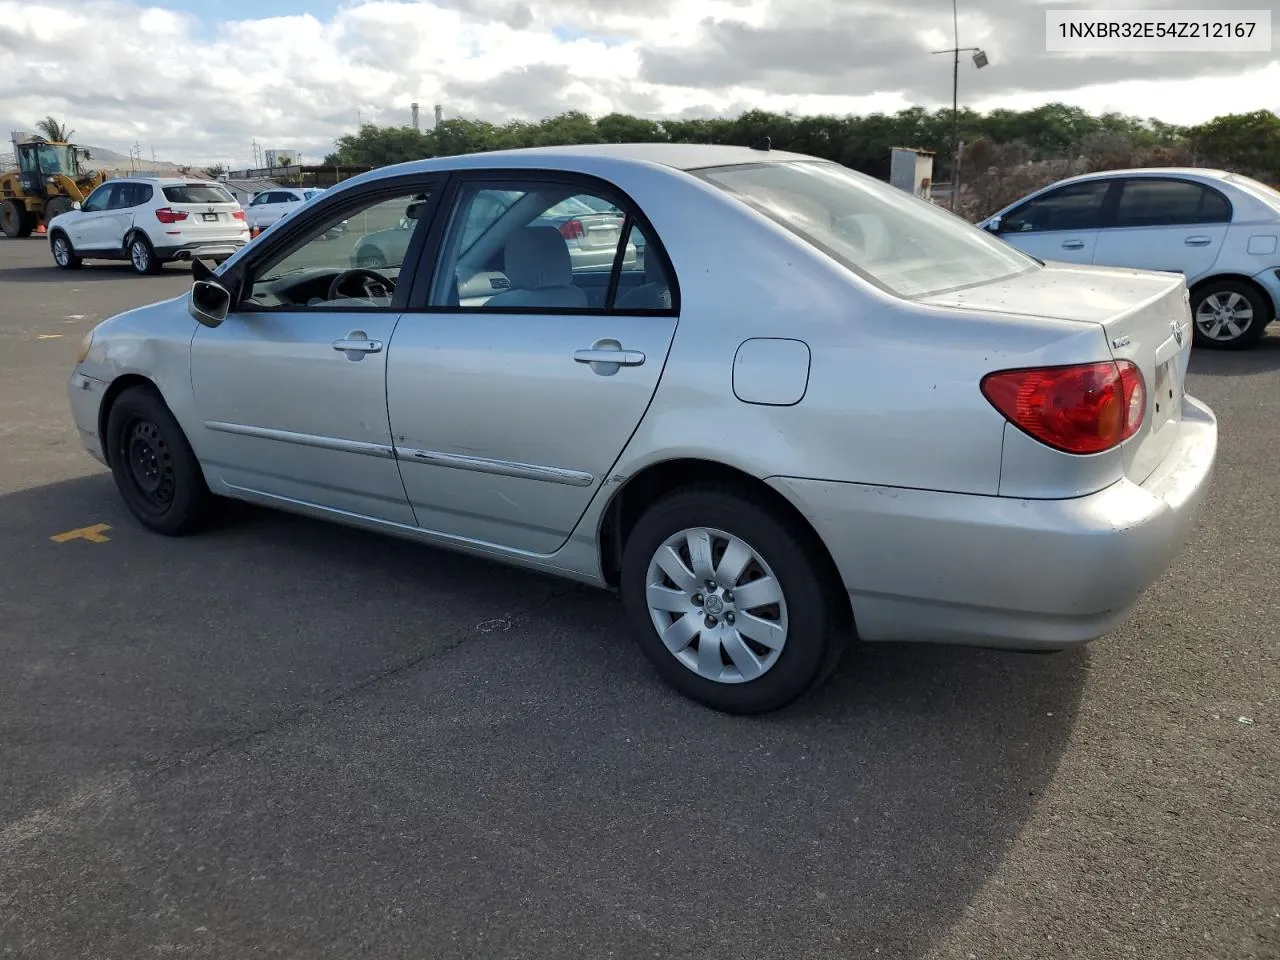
(94, 534)
(48, 336)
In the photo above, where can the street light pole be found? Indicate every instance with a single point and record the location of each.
(979, 61)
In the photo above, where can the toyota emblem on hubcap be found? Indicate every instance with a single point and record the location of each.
(714, 605)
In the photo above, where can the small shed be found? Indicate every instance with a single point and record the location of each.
(912, 170)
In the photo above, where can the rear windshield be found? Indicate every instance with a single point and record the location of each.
(902, 244)
(197, 193)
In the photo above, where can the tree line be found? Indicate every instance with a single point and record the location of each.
(1248, 143)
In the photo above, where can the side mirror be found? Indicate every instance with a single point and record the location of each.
(209, 302)
(993, 225)
(75, 204)
(412, 211)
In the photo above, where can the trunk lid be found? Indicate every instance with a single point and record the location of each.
(1145, 318)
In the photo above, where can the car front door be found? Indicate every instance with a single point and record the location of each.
(1165, 223)
(513, 392)
(87, 230)
(291, 387)
(1061, 224)
(112, 225)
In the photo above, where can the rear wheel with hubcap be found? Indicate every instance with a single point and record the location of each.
(154, 467)
(64, 255)
(1229, 315)
(728, 602)
(142, 256)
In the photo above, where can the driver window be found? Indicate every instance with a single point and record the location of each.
(350, 259)
(99, 199)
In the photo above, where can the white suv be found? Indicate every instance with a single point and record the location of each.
(149, 221)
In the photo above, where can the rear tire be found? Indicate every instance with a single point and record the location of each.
(153, 465)
(761, 655)
(1228, 315)
(64, 255)
(143, 256)
(15, 221)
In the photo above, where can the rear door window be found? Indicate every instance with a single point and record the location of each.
(197, 193)
(1153, 202)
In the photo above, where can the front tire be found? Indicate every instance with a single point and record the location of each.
(731, 606)
(1228, 315)
(153, 465)
(64, 255)
(143, 256)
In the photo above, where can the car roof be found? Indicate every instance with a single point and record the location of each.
(164, 181)
(1205, 173)
(678, 156)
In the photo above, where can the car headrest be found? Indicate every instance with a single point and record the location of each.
(538, 257)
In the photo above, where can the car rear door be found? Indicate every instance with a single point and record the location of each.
(291, 387)
(512, 394)
(1060, 224)
(1165, 223)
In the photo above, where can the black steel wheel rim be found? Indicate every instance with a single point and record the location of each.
(149, 464)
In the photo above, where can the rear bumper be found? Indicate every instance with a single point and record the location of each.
(1269, 280)
(1005, 572)
(85, 394)
(204, 249)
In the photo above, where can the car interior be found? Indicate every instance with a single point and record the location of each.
(518, 259)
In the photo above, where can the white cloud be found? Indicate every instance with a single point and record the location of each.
(119, 71)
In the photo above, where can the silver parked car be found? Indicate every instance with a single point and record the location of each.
(820, 408)
(1220, 230)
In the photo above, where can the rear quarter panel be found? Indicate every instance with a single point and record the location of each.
(893, 395)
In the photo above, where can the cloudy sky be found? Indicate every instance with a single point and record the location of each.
(199, 80)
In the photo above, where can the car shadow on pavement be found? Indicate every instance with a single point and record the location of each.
(370, 717)
(1262, 357)
(89, 273)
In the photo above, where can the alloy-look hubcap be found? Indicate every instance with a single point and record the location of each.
(139, 254)
(60, 251)
(717, 605)
(1224, 316)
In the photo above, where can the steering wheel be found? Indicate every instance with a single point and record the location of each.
(372, 285)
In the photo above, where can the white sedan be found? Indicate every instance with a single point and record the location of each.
(1220, 230)
(816, 409)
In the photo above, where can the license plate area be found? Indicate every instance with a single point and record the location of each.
(1166, 392)
(210, 217)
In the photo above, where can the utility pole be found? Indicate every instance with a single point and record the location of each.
(979, 61)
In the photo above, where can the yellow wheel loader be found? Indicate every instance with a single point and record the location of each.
(48, 181)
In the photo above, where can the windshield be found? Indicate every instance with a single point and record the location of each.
(56, 159)
(1268, 195)
(898, 242)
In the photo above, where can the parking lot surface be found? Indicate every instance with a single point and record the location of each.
(286, 739)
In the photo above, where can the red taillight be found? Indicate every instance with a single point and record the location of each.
(1085, 408)
(571, 230)
(238, 214)
(166, 215)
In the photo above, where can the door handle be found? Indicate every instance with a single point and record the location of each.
(355, 345)
(623, 358)
(1072, 244)
(1198, 241)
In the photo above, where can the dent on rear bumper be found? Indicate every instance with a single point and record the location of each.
(998, 571)
(85, 394)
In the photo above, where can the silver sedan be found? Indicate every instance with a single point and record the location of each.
(816, 410)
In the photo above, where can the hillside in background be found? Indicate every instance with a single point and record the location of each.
(104, 159)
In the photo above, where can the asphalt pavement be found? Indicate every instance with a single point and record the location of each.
(287, 739)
